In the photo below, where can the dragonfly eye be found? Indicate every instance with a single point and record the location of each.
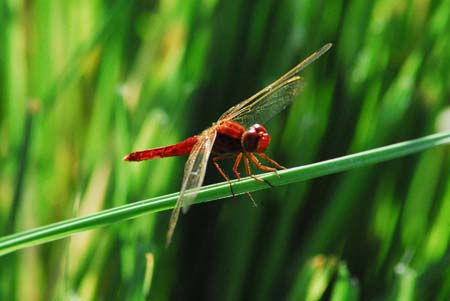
(256, 139)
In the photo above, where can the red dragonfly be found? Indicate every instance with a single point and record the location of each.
(236, 135)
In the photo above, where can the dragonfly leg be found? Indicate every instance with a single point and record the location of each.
(259, 165)
(220, 170)
(238, 176)
(273, 162)
(236, 165)
(248, 170)
(235, 171)
(251, 199)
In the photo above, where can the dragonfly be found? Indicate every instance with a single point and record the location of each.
(237, 134)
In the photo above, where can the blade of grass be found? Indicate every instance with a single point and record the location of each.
(345, 288)
(218, 191)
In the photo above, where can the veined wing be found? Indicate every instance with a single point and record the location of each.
(194, 174)
(284, 80)
(270, 103)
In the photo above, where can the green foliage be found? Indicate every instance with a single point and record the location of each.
(83, 83)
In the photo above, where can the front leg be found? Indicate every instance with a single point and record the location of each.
(273, 162)
(249, 172)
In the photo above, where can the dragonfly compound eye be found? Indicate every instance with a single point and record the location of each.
(256, 139)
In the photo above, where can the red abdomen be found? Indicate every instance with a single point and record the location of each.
(179, 149)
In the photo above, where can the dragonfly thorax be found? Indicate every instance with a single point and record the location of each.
(255, 139)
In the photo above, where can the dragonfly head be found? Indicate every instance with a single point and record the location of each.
(255, 139)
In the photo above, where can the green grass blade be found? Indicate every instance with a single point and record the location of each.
(218, 191)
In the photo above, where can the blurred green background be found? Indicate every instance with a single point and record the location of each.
(83, 83)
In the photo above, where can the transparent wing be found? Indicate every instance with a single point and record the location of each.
(270, 103)
(286, 79)
(194, 173)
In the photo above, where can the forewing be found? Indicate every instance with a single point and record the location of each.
(238, 109)
(194, 173)
(269, 104)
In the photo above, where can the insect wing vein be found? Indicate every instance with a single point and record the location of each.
(269, 104)
(194, 174)
(240, 108)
